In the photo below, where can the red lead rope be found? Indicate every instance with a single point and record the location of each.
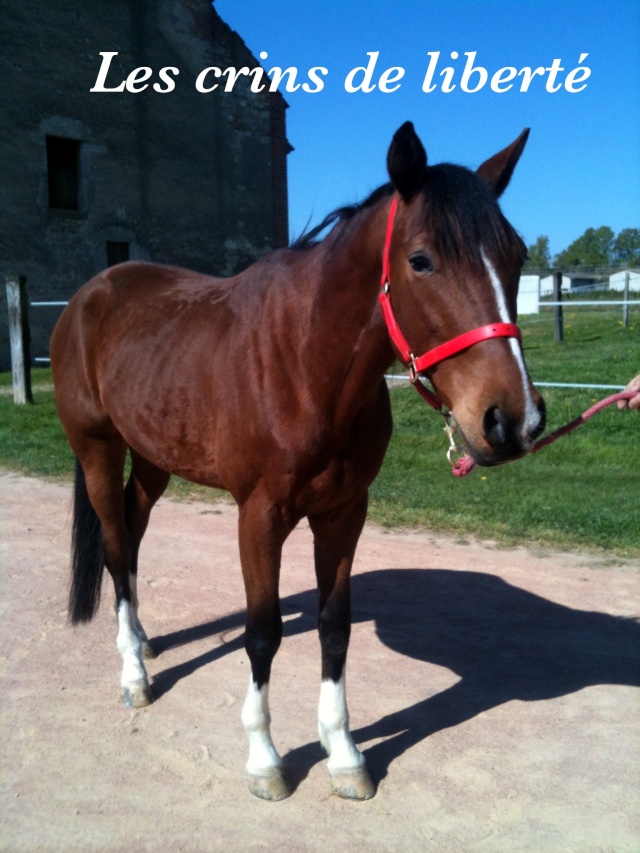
(437, 354)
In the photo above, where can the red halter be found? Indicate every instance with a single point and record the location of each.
(437, 354)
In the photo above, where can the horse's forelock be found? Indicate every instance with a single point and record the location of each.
(463, 218)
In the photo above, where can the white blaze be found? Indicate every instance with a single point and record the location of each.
(531, 413)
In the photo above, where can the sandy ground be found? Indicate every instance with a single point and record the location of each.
(494, 693)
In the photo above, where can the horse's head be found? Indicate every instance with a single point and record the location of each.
(455, 264)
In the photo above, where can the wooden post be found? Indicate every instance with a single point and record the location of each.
(20, 339)
(625, 307)
(557, 309)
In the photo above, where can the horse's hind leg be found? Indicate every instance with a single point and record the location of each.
(262, 534)
(335, 538)
(102, 461)
(146, 485)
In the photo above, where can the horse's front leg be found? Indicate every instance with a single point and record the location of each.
(335, 539)
(262, 534)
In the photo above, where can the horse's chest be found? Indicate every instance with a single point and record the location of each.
(346, 472)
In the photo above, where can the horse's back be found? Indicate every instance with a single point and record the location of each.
(132, 309)
(135, 288)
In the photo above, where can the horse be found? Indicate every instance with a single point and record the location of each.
(270, 385)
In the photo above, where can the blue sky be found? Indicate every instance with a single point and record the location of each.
(581, 167)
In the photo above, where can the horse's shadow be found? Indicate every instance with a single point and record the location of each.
(503, 642)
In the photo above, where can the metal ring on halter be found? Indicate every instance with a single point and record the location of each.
(413, 373)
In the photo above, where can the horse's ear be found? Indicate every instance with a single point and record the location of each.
(497, 170)
(407, 162)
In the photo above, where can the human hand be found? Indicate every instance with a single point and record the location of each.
(634, 402)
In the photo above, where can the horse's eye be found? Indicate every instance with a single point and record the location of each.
(421, 263)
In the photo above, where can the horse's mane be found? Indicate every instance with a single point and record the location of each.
(462, 213)
(340, 214)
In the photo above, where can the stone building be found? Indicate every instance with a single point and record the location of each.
(92, 178)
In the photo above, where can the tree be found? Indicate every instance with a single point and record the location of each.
(538, 255)
(593, 249)
(626, 248)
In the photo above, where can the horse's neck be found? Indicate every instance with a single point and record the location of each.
(349, 336)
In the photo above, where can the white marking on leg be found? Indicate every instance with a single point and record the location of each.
(130, 647)
(531, 413)
(256, 719)
(333, 727)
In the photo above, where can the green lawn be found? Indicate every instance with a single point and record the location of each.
(584, 491)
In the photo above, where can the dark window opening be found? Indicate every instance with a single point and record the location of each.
(63, 168)
(117, 252)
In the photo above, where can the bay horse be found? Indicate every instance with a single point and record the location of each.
(270, 384)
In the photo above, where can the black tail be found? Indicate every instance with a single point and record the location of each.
(87, 558)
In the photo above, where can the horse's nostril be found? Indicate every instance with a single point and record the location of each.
(542, 409)
(496, 425)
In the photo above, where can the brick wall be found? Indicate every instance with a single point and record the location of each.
(197, 180)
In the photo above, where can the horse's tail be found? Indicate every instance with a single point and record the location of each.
(87, 557)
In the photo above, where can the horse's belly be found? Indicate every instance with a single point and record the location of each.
(176, 432)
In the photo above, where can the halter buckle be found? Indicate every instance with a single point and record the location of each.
(450, 429)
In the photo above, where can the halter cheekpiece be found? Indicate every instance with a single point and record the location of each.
(437, 354)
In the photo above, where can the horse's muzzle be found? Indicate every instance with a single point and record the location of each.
(506, 437)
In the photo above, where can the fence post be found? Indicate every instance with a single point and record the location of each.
(557, 309)
(625, 308)
(20, 338)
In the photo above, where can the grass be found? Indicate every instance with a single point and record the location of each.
(581, 492)
(32, 440)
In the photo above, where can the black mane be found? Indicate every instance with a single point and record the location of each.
(340, 214)
(462, 214)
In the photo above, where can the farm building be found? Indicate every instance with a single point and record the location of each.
(617, 280)
(93, 178)
(572, 282)
(529, 294)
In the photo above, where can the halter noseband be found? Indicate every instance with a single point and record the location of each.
(437, 354)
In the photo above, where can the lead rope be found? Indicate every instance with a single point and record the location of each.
(464, 465)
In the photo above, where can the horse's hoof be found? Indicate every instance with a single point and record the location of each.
(148, 652)
(272, 786)
(353, 784)
(137, 695)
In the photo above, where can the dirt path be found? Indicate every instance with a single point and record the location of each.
(494, 693)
